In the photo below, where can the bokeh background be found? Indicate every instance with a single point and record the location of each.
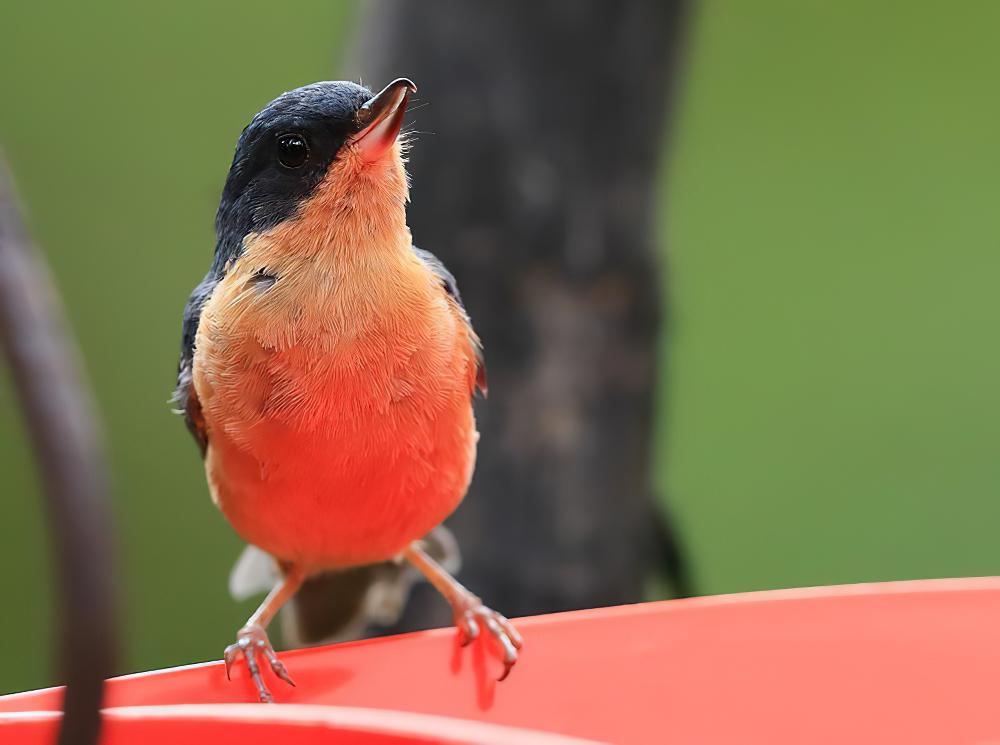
(829, 410)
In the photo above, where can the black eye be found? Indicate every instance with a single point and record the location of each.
(292, 151)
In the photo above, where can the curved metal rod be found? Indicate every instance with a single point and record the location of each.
(61, 421)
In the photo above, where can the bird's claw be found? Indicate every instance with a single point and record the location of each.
(468, 617)
(252, 641)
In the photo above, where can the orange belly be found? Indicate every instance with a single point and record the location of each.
(337, 404)
(354, 493)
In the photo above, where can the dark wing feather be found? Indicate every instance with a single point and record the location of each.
(451, 287)
(185, 399)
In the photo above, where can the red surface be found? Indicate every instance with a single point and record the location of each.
(915, 662)
(253, 724)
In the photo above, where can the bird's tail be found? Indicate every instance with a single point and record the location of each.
(340, 605)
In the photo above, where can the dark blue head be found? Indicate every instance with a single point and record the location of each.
(285, 152)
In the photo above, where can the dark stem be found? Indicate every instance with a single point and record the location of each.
(62, 424)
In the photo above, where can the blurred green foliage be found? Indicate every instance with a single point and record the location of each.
(832, 411)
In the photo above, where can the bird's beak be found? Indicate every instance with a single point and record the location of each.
(380, 119)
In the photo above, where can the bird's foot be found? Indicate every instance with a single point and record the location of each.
(251, 644)
(471, 615)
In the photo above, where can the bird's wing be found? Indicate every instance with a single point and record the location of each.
(185, 399)
(451, 288)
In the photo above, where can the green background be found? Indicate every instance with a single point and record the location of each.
(832, 412)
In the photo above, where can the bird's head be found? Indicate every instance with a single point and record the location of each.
(325, 157)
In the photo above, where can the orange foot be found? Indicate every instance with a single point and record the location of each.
(251, 641)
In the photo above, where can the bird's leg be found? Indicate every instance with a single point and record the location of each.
(468, 610)
(252, 641)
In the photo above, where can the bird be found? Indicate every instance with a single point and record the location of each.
(328, 366)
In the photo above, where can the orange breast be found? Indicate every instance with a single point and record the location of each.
(337, 401)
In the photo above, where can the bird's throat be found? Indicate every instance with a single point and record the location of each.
(358, 209)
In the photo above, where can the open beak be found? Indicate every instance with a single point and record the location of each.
(381, 118)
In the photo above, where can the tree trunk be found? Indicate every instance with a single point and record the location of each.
(535, 169)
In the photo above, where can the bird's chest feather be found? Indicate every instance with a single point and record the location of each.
(319, 348)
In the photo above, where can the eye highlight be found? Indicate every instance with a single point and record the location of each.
(293, 151)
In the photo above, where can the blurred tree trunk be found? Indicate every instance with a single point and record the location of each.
(535, 176)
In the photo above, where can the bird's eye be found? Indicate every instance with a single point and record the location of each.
(292, 151)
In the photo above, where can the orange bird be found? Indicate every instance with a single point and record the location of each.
(328, 365)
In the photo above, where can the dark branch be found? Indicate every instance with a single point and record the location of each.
(61, 422)
(539, 193)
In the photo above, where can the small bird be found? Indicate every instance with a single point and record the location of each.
(328, 365)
